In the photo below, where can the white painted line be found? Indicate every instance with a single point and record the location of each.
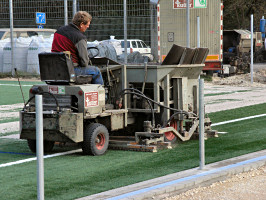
(237, 120)
(32, 159)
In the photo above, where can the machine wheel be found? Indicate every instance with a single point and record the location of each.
(96, 139)
(47, 145)
(170, 136)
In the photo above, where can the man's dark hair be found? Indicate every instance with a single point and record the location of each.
(81, 17)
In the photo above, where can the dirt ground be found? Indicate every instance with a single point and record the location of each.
(244, 186)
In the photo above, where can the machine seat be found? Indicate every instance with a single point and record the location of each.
(56, 68)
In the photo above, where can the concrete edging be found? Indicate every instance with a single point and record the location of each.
(179, 182)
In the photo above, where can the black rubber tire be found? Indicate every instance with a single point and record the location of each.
(47, 145)
(95, 139)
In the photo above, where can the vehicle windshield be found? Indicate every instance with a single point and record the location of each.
(1, 34)
(122, 44)
(45, 34)
(144, 45)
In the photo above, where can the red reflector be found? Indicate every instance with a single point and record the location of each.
(131, 50)
(31, 90)
(80, 92)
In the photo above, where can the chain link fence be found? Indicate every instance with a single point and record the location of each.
(108, 17)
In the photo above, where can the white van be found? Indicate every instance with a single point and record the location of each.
(137, 45)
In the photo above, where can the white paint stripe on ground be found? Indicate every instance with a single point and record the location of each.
(237, 120)
(35, 158)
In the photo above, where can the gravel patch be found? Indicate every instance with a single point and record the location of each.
(244, 186)
(237, 97)
(9, 127)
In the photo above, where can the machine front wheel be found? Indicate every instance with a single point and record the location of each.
(47, 145)
(96, 139)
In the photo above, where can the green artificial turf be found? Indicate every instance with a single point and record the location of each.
(10, 110)
(73, 176)
(221, 101)
(9, 133)
(238, 113)
(223, 93)
(17, 147)
(9, 119)
(11, 93)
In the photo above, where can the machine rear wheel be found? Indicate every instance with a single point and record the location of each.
(96, 139)
(47, 145)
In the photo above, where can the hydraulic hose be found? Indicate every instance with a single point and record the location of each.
(139, 93)
(173, 109)
(170, 119)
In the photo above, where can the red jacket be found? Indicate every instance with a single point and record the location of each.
(70, 38)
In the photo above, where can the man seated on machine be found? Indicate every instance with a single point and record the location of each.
(71, 38)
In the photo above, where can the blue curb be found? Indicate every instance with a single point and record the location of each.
(28, 154)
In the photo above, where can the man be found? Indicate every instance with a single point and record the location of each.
(71, 38)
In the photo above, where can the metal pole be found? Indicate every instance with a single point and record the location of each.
(11, 36)
(188, 24)
(201, 124)
(74, 7)
(39, 146)
(251, 50)
(65, 12)
(198, 32)
(125, 30)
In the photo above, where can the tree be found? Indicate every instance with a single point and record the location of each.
(237, 13)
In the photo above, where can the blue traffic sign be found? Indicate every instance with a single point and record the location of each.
(40, 18)
(40, 26)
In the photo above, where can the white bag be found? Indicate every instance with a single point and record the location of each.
(37, 45)
(20, 55)
(3, 43)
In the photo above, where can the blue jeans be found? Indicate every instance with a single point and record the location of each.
(90, 70)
